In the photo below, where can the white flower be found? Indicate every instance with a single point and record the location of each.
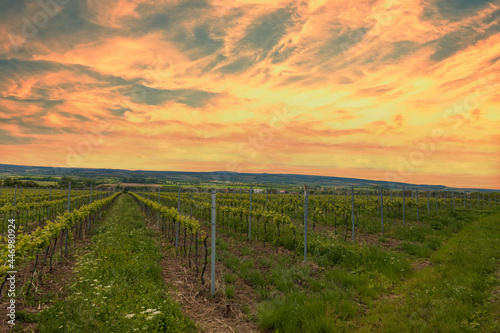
(129, 315)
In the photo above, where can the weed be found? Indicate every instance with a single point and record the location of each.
(229, 291)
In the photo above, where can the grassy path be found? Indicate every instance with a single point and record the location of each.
(119, 284)
(452, 295)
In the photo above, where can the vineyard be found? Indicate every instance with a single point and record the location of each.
(326, 261)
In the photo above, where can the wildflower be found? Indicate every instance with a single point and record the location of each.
(130, 315)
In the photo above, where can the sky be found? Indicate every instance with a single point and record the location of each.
(392, 90)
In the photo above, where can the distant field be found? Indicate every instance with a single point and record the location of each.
(227, 186)
(41, 182)
(202, 186)
(133, 185)
(45, 183)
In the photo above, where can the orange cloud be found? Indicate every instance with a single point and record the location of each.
(341, 88)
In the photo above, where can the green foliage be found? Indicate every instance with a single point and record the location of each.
(229, 291)
(192, 225)
(246, 251)
(229, 277)
(331, 251)
(28, 244)
(417, 249)
(119, 286)
(298, 312)
(11, 182)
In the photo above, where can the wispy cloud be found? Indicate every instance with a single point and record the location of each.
(196, 85)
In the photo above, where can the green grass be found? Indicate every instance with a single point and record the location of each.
(354, 278)
(290, 292)
(330, 251)
(119, 285)
(294, 299)
(229, 278)
(452, 295)
(299, 312)
(229, 291)
(436, 226)
(246, 250)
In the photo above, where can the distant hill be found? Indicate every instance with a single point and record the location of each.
(220, 177)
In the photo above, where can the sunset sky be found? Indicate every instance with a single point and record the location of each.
(388, 90)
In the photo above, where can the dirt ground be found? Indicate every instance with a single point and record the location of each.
(211, 314)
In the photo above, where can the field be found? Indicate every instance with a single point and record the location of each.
(46, 183)
(368, 260)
